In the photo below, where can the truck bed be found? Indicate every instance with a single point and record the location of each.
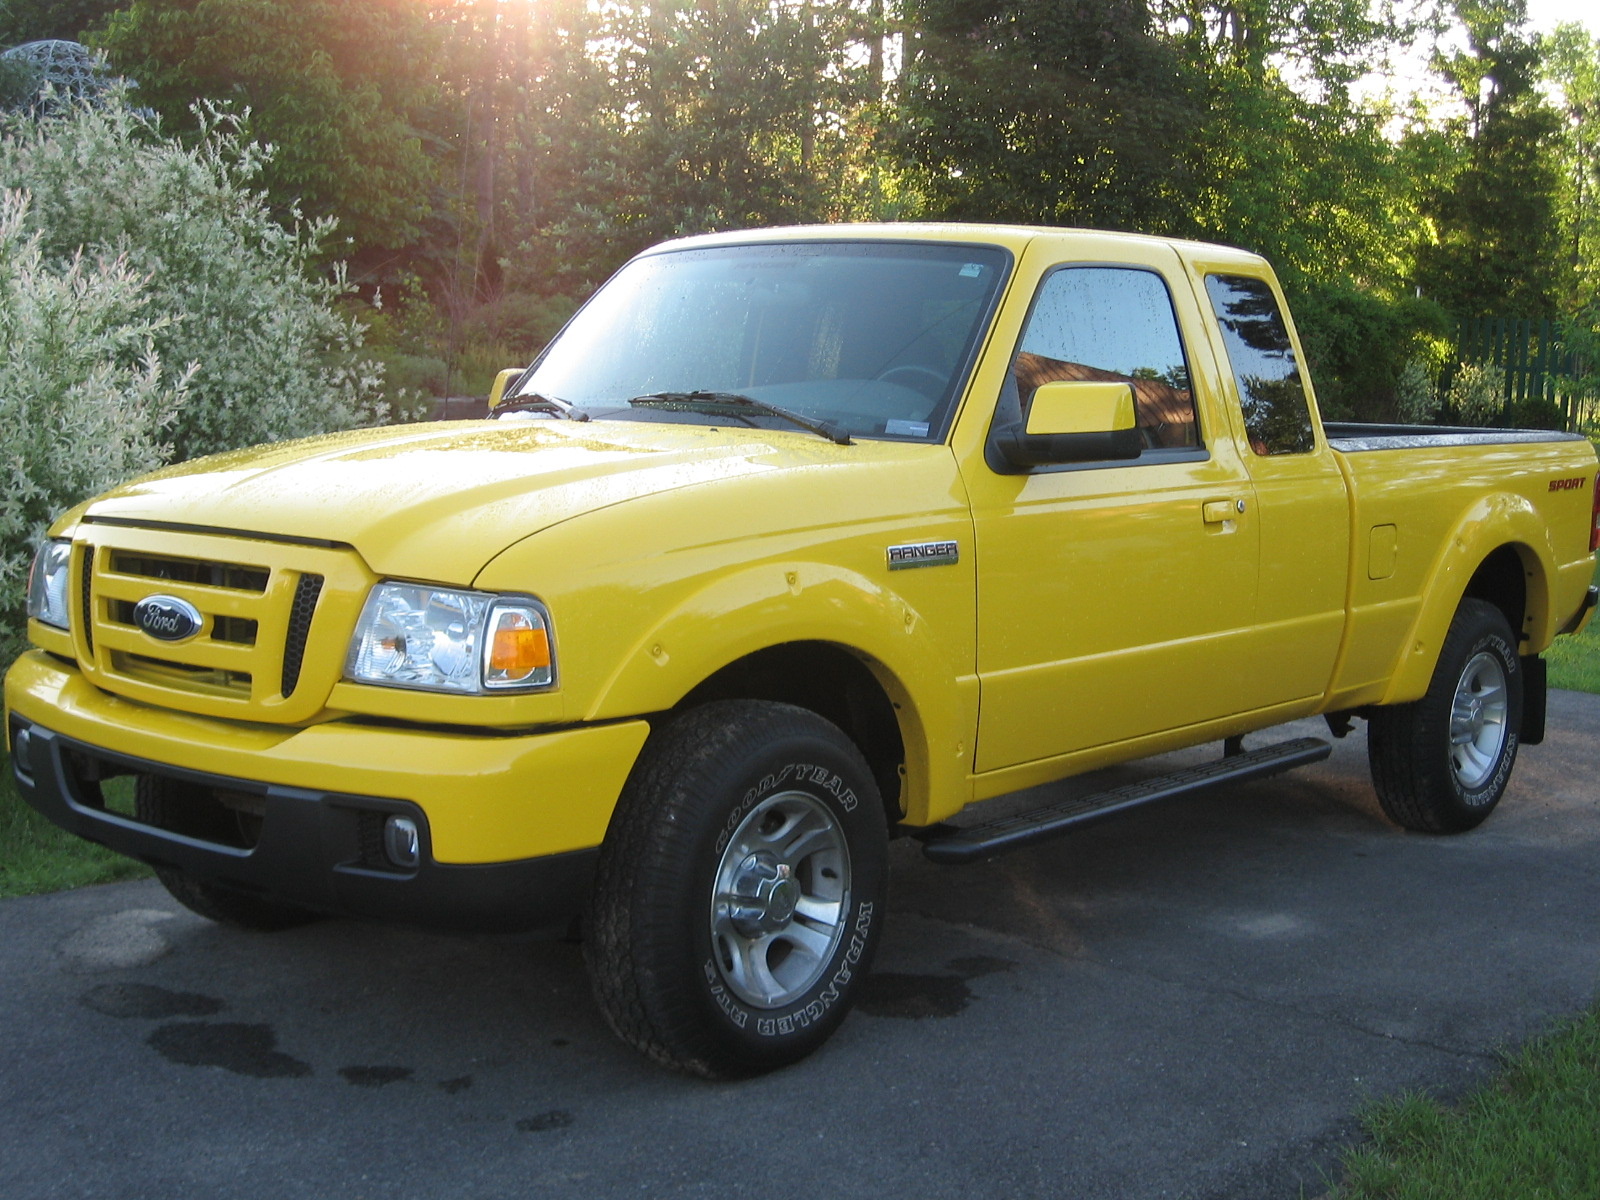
(1350, 437)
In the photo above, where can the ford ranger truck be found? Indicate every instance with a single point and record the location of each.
(791, 541)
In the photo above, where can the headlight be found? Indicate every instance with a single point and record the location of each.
(442, 640)
(47, 584)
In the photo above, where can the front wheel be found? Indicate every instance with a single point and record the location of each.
(1440, 764)
(740, 891)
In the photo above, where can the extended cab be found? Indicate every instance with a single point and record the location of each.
(791, 541)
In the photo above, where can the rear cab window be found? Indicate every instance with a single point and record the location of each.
(1272, 393)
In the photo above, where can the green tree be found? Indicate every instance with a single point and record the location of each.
(1572, 63)
(1068, 112)
(342, 89)
(37, 20)
(1284, 161)
(1495, 248)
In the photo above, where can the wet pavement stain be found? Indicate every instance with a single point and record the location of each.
(556, 1118)
(147, 1002)
(917, 997)
(976, 966)
(374, 1077)
(913, 997)
(242, 1049)
(451, 1086)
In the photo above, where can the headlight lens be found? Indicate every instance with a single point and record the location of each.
(444, 640)
(47, 584)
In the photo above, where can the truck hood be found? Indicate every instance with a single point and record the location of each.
(439, 501)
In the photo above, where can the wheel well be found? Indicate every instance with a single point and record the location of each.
(1502, 580)
(834, 684)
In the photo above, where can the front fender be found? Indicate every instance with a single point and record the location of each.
(773, 604)
(651, 599)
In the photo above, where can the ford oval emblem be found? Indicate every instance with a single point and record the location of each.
(168, 618)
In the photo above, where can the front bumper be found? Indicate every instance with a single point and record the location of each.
(509, 825)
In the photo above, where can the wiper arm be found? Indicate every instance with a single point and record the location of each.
(715, 402)
(538, 402)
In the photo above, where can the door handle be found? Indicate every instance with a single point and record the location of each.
(1218, 511)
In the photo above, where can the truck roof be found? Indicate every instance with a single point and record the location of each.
(1096, 243)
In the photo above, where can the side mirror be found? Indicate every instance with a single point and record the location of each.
(497, 391)
(1068, 422)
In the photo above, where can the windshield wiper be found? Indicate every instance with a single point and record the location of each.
(712, 403)
(537, 402)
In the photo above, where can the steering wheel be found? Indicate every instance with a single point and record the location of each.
(922, 375)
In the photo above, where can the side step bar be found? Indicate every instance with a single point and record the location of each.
(956, 844)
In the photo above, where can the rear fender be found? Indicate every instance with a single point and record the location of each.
(1496, 520)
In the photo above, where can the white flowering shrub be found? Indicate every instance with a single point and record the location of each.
(1416, 400)
(151, 309)
(1477, 393)
(84, 396)
(226, 287)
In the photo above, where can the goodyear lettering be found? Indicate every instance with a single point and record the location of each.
(821, 777)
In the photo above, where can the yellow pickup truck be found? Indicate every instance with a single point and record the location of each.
(790, 542)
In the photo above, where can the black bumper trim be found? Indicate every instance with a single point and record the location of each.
(309, 849)
(1590, 599)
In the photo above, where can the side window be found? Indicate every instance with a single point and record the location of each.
(1277, 415)
(1111, 324)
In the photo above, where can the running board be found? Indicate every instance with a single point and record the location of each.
(955, 844)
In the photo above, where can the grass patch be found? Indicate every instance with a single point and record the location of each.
(1575, 661)
(35, 856)
(1529, 1134)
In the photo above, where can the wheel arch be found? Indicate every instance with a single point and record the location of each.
(1497, 553)
(837, 685)
(894, 674)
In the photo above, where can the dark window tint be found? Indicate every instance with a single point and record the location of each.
(1277, 415)
(1111, 324)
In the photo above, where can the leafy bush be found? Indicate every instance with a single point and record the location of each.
(227, 288)
(84, 395)
(1358, 346)
(19, 83)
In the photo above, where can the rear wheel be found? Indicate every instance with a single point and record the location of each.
(740, 890)
(1440, 764)
(169, 804)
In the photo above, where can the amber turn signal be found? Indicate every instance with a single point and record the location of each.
(519, 648)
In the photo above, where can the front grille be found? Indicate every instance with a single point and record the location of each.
(187, 570)
(184, 675)
(261, 604)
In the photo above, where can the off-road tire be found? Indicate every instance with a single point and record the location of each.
(156, 800)
(680, 979)
(1424, 778)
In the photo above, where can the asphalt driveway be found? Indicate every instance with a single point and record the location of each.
(1191, 1001)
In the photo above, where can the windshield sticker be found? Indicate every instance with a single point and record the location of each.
(971, 271)
(894, 428)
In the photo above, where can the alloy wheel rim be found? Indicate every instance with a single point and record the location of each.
(778, 900)
(1478, 729)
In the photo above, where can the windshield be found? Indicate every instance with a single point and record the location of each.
(873, 337)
